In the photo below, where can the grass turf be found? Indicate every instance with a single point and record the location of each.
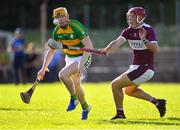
(47, 109)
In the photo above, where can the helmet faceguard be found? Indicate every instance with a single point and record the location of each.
(58, 12)
(139, 12)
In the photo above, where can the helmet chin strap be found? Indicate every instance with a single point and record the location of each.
(140, 20)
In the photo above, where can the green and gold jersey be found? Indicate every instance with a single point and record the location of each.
(71, 36)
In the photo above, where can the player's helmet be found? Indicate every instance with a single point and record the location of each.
(139, 12)
(60, 11)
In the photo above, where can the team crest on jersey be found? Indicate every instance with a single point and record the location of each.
(71, 36)
(135, 35)
(59, 36)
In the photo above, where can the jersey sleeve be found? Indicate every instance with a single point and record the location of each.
(151, 35)
(79, 30)
(54, 36)
(124, 34)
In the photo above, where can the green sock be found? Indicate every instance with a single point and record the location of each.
(74, 97)
(85, 106)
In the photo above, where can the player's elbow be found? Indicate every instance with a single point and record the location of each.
(154, 50)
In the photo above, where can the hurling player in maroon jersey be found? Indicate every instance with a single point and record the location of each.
(142, 40)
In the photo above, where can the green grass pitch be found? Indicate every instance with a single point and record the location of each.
(47, 109)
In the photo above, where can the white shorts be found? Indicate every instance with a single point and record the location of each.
(139, 73)
(70, 60)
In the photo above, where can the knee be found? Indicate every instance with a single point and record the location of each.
(62, 76)
(114, 85)
(129, 91)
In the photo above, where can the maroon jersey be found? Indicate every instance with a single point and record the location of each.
(141, 55)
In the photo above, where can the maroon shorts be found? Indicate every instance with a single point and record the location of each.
(140, 73)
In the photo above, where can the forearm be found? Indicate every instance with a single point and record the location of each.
(153, 47)
(112, 46)
(47, 58)
(87, 44)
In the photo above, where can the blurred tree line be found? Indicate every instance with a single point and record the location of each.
(26, 13)
(104, 19)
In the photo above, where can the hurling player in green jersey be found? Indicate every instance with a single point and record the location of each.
(70, 33)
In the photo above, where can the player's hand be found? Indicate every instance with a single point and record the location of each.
(40, 74)
(103, 51)
(142, 33)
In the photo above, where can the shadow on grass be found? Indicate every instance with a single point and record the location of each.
(143, 121)
(22, 109)
(173, 118)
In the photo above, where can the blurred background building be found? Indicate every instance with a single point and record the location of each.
(105, 20)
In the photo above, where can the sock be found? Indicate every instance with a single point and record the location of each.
(74, 97)
(154, 101)
(85, 106)
(120, 112)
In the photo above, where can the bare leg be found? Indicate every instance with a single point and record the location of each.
(118, 97)
(117, 86)
(79, 91)
(65, 76)
(137, 92)
(123, 81)
(80, 95)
